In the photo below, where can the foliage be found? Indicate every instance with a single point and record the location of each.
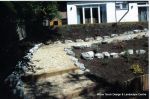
(137, 69)
(27, 10)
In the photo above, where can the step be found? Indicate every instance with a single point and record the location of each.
(65, 86)
(48, 73)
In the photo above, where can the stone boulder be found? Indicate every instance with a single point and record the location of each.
(88, 55)
(69, 52)
(80, 65)
(106, 54)
(114, 55)
(140, 51)
(136, 31)
(122, 53)
(114, 35)
(105, 41)
(79, 40)
(89, 39)
(68, 41)
(57, 42)
(98, 38)
(106, 37)
(130, 51)
(73, 59)
(99, 55)
(138, 37)
(81, 46)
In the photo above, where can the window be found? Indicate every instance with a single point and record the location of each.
(122, 6)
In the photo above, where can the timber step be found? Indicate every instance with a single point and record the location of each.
(48, 73)
(65, 86)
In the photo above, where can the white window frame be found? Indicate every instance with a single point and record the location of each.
(120, 5)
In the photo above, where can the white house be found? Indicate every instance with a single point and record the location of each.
(82, 12)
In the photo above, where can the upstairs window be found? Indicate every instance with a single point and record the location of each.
(121, 6)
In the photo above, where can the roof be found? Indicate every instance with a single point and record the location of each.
(63, 15)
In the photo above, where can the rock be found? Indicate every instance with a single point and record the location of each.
(98, 38)
(138, 37)
(68, 41)
(79, 40)
(57, 42)
(140, 51)
(104, 41)
(80, 72)
(122, 53)
(80, 65)
(145, 30)
(73, 59)
(69, 52)
(136, 31)
(128, 37)
(106, 37)
(89, 39)
(125, 33)
(99, 55)
(114, 55)
(88, 55)
(130, 51)
(146, 35)
(87, 70)
(80, 46)
(114, 35)
(106, 54)
(130, 32)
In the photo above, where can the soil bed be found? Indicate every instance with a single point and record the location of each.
(116, 69)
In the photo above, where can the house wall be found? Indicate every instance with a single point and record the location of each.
(131, 16)
(113, 15)
(110, 7)
(72, 14)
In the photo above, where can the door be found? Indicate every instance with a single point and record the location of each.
(143, 13)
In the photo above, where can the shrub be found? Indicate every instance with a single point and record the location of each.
(137, 69)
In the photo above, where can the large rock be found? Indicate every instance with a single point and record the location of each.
(145, 30)
(130, 51)
(136, 31)
(114, 55)
(99, 55)
(140, 51)
(80, 65)
(130, 32)
(80, 46)
(74, 59)
(79, 40)
(122, 53)
(69, 52)
(128, 37)
(88, 55)
(68, 41)
(89, 39)
(57, 42)
(106, 37)
(98, 38)
(138, 37)
(106, 54)
(114, 35)
(105, 41)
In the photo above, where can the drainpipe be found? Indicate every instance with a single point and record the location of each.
(115, 13)
(124, 14)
